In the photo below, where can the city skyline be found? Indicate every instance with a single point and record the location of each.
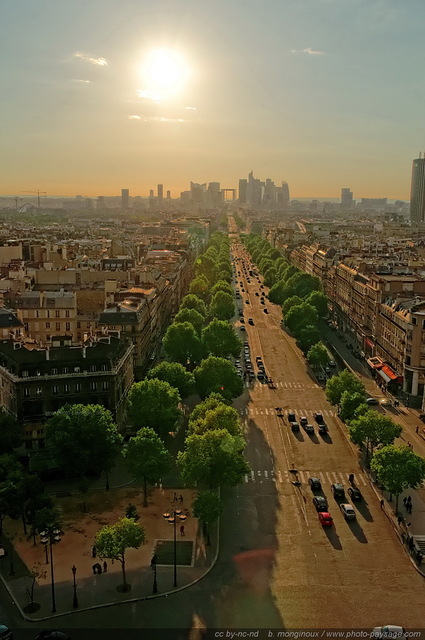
(320, 93)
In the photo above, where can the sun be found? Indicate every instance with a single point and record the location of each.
(165, 70)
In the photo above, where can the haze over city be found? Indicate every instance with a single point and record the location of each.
(321, 93)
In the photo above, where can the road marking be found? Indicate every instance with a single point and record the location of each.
(279, 475)
(301, 475)
(246, 477)
(266, 475)
(253, 476)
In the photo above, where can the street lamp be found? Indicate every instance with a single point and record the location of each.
(74, 586)
(50, 536)
(153, 565)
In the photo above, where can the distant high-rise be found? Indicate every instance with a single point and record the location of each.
(243, 183)
(160, 192)
(346, 198)
(282, 196)
(417, 191)
(125, 198)
(151, 193)
(168, 195)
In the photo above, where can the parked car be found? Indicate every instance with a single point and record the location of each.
(265, 310)
(295, 426)
(5, 633)
(338, 490)
(291, 416)
(318, 417)
(320, 503)
(354, 493)
(251, 321)
(308, 428)
(372, 401)
(315, 483)
(332, 363)
(242, 328)
(325, 519)
(347, 511)
(303, 421)
(323, 429)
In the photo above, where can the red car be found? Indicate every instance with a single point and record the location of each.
(325, 519)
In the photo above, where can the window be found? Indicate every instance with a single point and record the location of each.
(92, 367)
(103, 367)
(57, 313)
(78, 325)
(55, 389)
(93, 386)
(25, 374)
(77, 387)
(48, 337)
(38, 391)
(414, 321)
(68, 326)
(76, 369)
(27, 392)
(65, 370)
(105, 386)
(54, 372)
(67, 313)
(47, 325)
(58, 326)
(66, 388)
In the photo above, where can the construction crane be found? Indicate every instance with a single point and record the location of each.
(37, 193)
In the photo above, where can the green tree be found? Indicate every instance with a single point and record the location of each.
(83, 438)
(176, 375)
(207, 507)
(301, 284)
(131, 512)
(293, 301)
(154, 403)
(318, 355)
(205, 265)
(147, 459)
(11, 487)
(190, 315)
(307, 337)
(398, 468)
(213, 401)
(181, 343)
(349, 404)
(11, 432)
(301, 316)
(222, 306)
(221, 285)
(373, 429)
(270, 276)
(112, 541)
(213, 459)
(318, 300)
(217, 375)
(344, 381)
(220, 339)
(224, 276)
(200, 287)
(220, 417)
(277, 293)
(193, 302)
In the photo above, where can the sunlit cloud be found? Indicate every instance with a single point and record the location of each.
(149, 96)
(101, 62)
(309, 51)
(191, 108)
(156, 119)
(80, 81)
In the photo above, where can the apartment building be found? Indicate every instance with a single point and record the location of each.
(46, 314)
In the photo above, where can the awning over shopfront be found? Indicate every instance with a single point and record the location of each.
(375, 363)
(369, 343)
(384, 376)
(389, 372)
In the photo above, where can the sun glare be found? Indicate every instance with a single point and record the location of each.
(165, 70)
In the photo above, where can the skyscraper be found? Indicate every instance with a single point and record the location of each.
(417, 191)
(243, 183)
(124, 198)
(346, 198)
(160, 193)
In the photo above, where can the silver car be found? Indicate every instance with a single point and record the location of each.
(347, 511)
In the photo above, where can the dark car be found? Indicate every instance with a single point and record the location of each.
(262, 301)
(315, 483)
(295, 426)
(246, 301)
(354, 494)
(323, 428)
(265, 310)
(5, 633)
(338, 490)
(318, 417)
(291, 416)
(303, 421)
(251, 321)
(52, 635)
(242, 320)
(320, 503)
(308, 428)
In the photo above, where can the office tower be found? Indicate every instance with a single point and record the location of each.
(243, 184)
(255, 189)
(197, 191)
(269, 197)
(417, 191)
(160, 192)
(168, 195)
(151, 193)
(346, 198)
(124, 198)
(282, 196)
(214, 195)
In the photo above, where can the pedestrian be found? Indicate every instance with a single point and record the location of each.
(93, 551)
(99, 568)
(182, 530)
(351, 478)
(410, 507)
(405, 501)
(94, 567)
(417, 429)
(408, 524)
(409, 499)
(181, 499)
(382, 503)
(399, 520)
(419, 557)
(105, 566)
(175, 497)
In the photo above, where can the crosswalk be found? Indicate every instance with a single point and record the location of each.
(278, 476)
(271, 411)
(285, 385)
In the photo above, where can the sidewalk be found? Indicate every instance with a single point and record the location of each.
(75, 548)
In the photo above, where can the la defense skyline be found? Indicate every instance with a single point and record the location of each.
(417, 191)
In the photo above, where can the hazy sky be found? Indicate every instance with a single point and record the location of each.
(321, 93)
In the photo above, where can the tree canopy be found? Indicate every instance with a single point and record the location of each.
(221, 285)
(193, 302)
(182, 343)
(318, 300)
(398, 468)
(176, 375)
(11, 432)
(200, 287)
(220, 339)
(349, 405)
(222, 306)
(211, 402)
(301, 316)
(220, 417)
(293, 301)
(146, 458)
(344, 381)
(192, 316)
(217, 375)
(373, 429)
(318, 355)
(213, 459)
(307, 337)
(154, 403)
(83, 438)
(112, 541)
(207, 507)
